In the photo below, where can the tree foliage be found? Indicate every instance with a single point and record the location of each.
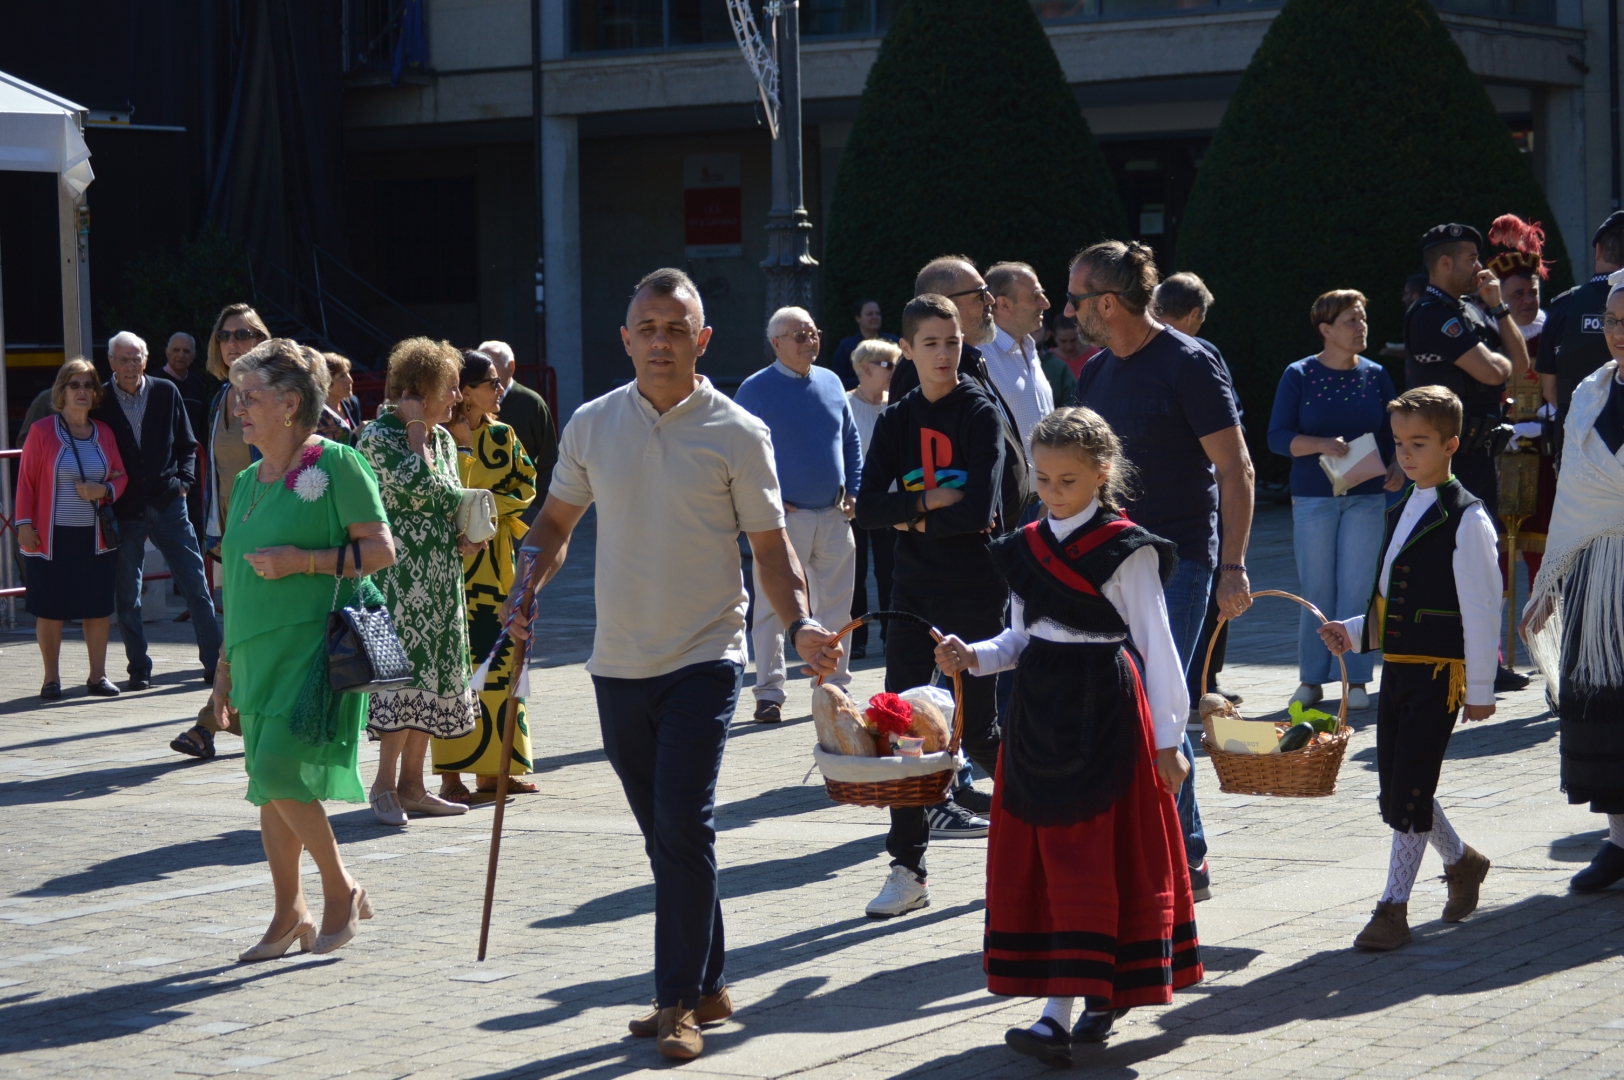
(967, 140)
(181, 289)
(1355, 129)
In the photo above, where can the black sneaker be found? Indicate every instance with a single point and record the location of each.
(950, 821)
(768, 712)
(1201, 882)
(977, 802)
(1507, 681)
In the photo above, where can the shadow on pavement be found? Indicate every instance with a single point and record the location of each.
(91, 783)
(240, 847)
(788, 801)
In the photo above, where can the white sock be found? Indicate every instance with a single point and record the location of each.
(1402, 866)
(1445, 841)
(1059, 1010)
(1615, 830)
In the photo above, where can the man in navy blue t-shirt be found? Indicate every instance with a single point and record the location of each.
(1172, 405)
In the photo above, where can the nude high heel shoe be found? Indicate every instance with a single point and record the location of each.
(273, 950)
(360, 908)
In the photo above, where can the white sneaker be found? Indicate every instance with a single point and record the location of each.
(902, 892)
(1358, 699)
(1307, 694)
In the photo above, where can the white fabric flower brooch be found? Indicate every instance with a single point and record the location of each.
(307, 481)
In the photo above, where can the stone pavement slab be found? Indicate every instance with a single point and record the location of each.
(133, 877)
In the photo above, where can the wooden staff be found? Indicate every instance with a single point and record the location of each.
(505, 764)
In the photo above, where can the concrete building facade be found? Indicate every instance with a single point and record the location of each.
(654, 151)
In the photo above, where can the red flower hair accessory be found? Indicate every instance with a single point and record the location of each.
(889, 714)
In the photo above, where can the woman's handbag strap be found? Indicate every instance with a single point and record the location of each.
(338, 572)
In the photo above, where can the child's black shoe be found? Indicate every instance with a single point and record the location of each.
(1605, 869)
(1050, 1044)
(1095, 1027)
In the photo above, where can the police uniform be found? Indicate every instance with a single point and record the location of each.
(1572, 345)
(1438, 330)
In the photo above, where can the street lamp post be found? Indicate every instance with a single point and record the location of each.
(789, 263)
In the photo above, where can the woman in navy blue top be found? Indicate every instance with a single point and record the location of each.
(1323, 403)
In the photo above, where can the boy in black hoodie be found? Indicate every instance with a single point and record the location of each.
(942, 447)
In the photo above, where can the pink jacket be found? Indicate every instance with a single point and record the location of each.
(36, 479)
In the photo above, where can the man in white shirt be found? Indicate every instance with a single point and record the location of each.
(677, 471)
(1012, 356)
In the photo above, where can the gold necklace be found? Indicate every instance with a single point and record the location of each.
(260, 495)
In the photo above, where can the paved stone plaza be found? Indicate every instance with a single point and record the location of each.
(133, 877)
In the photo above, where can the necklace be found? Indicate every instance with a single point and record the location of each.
(258, 494)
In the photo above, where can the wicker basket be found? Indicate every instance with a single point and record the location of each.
(1307, 773)
(927, 790)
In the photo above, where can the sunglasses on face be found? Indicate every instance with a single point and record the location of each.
(980, 290)
(801, 337)
(223, 336)
(1075, 299)
(883, 365)
(492, 382)
(81, 386)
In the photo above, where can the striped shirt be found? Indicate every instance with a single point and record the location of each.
(71, 510)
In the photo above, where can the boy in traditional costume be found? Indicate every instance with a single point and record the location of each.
(1088, 888)
(1434, 613)
(1574, 620)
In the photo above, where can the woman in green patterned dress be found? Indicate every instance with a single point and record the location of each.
(415, 461)
(490, 457)
(290, 514)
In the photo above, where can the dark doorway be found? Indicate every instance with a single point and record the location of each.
(1154, 178)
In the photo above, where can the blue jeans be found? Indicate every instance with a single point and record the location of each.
(171, 533)
(664, 737)
(1338, 541)
(1186, 596)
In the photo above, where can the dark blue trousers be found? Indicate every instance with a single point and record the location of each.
(664, 738)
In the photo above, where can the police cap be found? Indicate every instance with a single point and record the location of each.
(1450, 234)
(1614, 222)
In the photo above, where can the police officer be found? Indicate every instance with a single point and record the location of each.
(1572, 345)
(1451, 344)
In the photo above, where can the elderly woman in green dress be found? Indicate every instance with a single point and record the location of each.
(290, 515)
(416, 464)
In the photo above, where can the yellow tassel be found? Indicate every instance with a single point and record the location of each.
(1457, 674)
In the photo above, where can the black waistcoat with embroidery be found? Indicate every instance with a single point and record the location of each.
(1072, 736)
(1423, 607)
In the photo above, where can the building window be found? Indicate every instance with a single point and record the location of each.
(603, 25)
(429, 258)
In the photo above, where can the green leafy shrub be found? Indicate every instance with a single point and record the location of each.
(181, 289)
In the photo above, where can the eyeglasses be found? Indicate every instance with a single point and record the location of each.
(250, 398)
(81, 385)
(980, 290)
(1610, 325)
(883, 365)
(1075, 299)
(224, 336)
(801, 337)
(492, 382)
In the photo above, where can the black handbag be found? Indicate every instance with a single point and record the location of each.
(104, 507)
(364, 654)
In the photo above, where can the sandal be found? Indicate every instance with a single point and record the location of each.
(515, 786)
(196, 743)
(454, 791)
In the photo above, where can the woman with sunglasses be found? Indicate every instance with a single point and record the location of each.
(70, 464)
(489, 456)
(874, 360)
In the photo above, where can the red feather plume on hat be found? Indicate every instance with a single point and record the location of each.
(1522, 244)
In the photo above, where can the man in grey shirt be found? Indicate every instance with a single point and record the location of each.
(677, 471)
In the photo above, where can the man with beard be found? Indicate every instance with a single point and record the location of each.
(1172, 405)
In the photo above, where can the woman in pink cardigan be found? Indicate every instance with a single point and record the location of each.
(70, 464)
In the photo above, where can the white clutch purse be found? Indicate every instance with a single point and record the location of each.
(476, 515)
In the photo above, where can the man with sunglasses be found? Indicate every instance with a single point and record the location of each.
(155, 439)
(819, 457)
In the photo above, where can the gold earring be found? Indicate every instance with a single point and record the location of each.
(287, 421)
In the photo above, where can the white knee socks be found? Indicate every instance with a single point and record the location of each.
(1445, 841)
(1402, 866)
(1615, 830)
(1059, 1010)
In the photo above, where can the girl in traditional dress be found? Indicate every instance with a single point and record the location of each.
(1574, 620)
(1088, 889)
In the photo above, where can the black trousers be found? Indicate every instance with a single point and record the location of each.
(909, 660)
(1413, 724)
(883, 542)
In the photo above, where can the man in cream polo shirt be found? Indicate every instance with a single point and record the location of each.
(677, 471)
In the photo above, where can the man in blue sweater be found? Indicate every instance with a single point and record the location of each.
(820, 460)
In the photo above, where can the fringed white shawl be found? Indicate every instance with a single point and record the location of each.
(1588, 516)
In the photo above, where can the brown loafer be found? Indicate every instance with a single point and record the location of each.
(713, 1009)
(1389, 927)
(679, 1036)
(1464, 878)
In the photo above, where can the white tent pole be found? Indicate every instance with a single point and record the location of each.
(73, 230)
(8, 574)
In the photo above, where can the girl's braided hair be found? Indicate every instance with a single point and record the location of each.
(1085, 432)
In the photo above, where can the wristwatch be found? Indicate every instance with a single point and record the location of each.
(1235, 566)
(797, 626)
(1500, 312)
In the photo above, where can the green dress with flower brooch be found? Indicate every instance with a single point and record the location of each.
(275, 630)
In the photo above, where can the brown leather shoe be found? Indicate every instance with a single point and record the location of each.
(713, 1009)
(1464, 878)
(679, 1035)
(1389, 927)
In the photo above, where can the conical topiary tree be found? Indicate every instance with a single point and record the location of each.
(967, 141)
(1355, 128)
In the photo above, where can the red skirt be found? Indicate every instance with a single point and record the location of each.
(1100, 908)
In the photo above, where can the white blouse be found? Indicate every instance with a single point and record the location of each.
(1135, 590)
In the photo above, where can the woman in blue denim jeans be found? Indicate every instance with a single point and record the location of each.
(1323, 403)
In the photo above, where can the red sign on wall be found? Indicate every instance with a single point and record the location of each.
(713, 218)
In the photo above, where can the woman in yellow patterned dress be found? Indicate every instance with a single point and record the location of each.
(489, 456)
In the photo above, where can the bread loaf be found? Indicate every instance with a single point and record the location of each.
(929, 724)
(1217, 703)
(854, 739)
(838, 724)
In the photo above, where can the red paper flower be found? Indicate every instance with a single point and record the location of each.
(889, 714)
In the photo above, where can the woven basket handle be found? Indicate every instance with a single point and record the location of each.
(1206, 665)
(936, 636)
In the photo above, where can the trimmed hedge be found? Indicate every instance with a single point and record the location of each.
(967, 141)
(1355, 129)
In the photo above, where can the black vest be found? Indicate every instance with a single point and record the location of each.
(1061, 581)
(1423, 607)
(1580, 347)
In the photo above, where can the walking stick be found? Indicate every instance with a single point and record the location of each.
(505, 764)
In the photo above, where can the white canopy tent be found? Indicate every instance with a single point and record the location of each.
(40, 132)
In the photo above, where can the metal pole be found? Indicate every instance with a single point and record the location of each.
(73, 235)
(536, 134)
(1612, 96)
(789, 264)
(8, 573)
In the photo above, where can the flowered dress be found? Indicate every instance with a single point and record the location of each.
(423, 590)
(497, 463)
